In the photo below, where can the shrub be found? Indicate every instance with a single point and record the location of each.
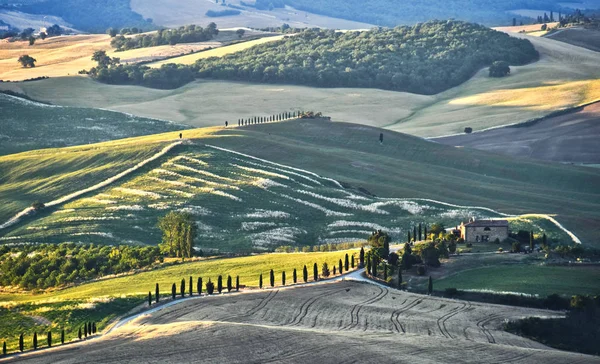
(421, 270)
(325, 270)
(210, 287)
(468, 130)
(544, 27)
(516, 247)
(499, 69)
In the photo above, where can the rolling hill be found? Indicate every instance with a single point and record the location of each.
(199, 179)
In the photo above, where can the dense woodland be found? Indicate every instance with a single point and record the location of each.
(47, 265)
(186, 34)
(427, 58)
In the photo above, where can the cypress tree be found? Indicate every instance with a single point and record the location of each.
(399, 278)
(334, 269)
(49, 339)
(182, 288)
(156, 293)
(220, 284)
(149, 298)
(430, 286)
(237, 283)
(199, 286)
(229, 284)
(295, 276)
(531, 241)
(361, 262)
(409, 236)
(352, 261)
(340, 266)
(35, 341)
(62, 336)
(4, 348)
(191, 287)
(315, 272)
(90, 328)
(420, 232)
(173, 290)
(260, 283)
(415, 233)
(368, 265)
(85, 333)
(305, 274)
(544, 241)
(21, 346)
(425, 231)
(272, 278)
(79, 334)
(374, 267)
(94, 327)
(210, 287)
(283, 278)
(346, 263)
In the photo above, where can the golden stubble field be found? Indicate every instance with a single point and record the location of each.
(565, 76)
(332, 322)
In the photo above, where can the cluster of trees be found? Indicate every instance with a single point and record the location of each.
(320, 248)
(279, 117)
(44, 266)
(179, 232)
(168, 76)
(219, 13)
(426, 58)
(185, 34)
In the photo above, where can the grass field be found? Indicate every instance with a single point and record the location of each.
(106, 299)
(28, 125)
(565, 76)
(581, 37)
(526, 278)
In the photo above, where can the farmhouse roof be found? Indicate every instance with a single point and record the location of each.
(486, 223)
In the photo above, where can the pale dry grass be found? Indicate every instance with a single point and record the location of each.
(530, 28)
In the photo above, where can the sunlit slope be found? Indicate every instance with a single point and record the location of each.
(401, 167)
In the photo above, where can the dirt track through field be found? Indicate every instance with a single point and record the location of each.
(334, 322)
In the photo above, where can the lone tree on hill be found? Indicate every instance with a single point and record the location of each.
(315, 272)
(305, 274)
(499, 69)
(220, 284)
(27, 61)
(272, 278)
(179, 231)
(430, 286)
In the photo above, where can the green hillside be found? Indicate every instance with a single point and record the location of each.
(277, 205)
(29, 125)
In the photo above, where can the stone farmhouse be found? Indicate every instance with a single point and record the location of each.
(476, 231)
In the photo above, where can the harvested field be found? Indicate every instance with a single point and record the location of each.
(529, 28)
(570, 138)
(361, 321)
(581, 37)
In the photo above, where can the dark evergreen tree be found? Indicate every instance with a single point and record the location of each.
(90, 328)
(79, 334)
(149, 298)
(220, 284)
(425, 231)
(514, 22)
(199, 286)
(340, 266)
(191, 287)
(173, 290)
(369, 264)
(346, 263)
(305, 274)
(352, 261)
(420, 236)
(49, 339)
(4, 348)
(409, 236)
(295, 276)
(315, 272)
(399, 278)
(156, 293)
(361, 262)
(182, 288)
(237, 283)
(334, 270)
(430, 286)
(415, 233)
(35, 341)
(21, 346)
(210, 287)
(93, 327)
(229, 284)
(62, 336)
(283, 278)
(260, 282)
(85, 332)
(272, 278)
(544, 241)
(374, 266)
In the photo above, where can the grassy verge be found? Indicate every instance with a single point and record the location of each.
(103, 300)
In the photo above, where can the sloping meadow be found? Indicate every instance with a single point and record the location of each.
(241, 204)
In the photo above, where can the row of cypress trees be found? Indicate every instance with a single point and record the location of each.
(210, 288)
(268, 119)
(89, 328)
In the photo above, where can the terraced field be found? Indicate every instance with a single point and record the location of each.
(241, 204)
(361, 321)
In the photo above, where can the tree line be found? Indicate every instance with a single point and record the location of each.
(185, 34)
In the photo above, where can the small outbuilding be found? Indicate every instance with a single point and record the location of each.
(476, 231)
